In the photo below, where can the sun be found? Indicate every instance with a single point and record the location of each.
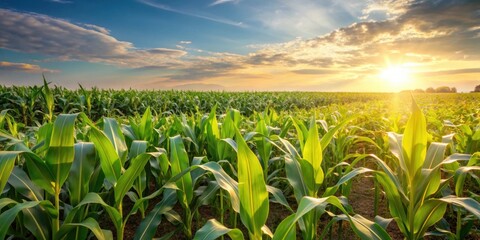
(396, 75)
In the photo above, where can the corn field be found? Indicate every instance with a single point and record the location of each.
(106, 164)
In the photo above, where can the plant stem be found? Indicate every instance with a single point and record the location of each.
(122, 226)
(411, 213)
(56, 221)
(459, 224)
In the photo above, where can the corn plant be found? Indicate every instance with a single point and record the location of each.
(48, 169)
(411, 190)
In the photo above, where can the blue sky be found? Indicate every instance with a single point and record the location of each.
(241, 44)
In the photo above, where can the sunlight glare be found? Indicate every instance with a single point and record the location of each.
(397, 75)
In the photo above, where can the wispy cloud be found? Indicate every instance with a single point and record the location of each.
(61, 1)
(218, 2)
(24, 67)
(192, 14)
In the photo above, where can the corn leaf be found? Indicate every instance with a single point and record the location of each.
(114, 133)
(179, 162)
(252, 189)
(88, 223)
(109, 159)
(149, 225)
(312, 153)
(125, 182)
(7, 217)
(81, 172)
(414, 142)
(213, 230)
(23, 185)
(7, 162)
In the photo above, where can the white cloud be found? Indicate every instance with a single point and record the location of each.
(24, 67)
(36, 33)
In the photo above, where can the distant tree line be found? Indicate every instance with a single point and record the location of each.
(477, 88)
(442, 89)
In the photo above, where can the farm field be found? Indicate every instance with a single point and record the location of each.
(131, 164)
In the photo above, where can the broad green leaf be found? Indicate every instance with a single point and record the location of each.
(225, 182)
(468, 204)
(364, 228)
(81, 172)
(312, 152)
(254, 204)
(94, 198)
(88, 223)
(330, 133)
(7, 162)
(60, 153)
(428, 214)
(395, 205)
(114, 133)
(347, 177)
(214, 229)
(179, 162)
(149, 225)
(38, 171)
(146, 126)
(37, 222)
(460, 176)
(7, 217)
(109, 159)
(23, 185)
(414, 142)
(125, 182)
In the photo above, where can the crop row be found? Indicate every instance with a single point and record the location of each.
(64, 175)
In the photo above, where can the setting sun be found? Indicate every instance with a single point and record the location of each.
(396, 75)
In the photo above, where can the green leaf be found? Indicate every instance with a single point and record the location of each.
(81, 172)
(38, 171)
(312, 152)
(7, 161)
(327, 138)
(414, 142)
(88, 223)
(179, 162)
(109, 159)
(254, 204)
(60, 153)
(213, 230)
(428, 214)
(146, 126)
(94, 198)
(114, 133)
(37, 222)
(125, 182)
(149, 225)
(23, 185)
(7, 217)
(468, 204)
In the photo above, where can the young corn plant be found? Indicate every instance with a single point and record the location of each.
(305, 174)
(412, 190)
(111, 149)
(48, 168)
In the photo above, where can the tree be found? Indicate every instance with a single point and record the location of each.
(477, 88)
(443, 89)
(430, 90)
(419, 90)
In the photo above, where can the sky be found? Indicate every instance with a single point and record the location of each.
(242, 45)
